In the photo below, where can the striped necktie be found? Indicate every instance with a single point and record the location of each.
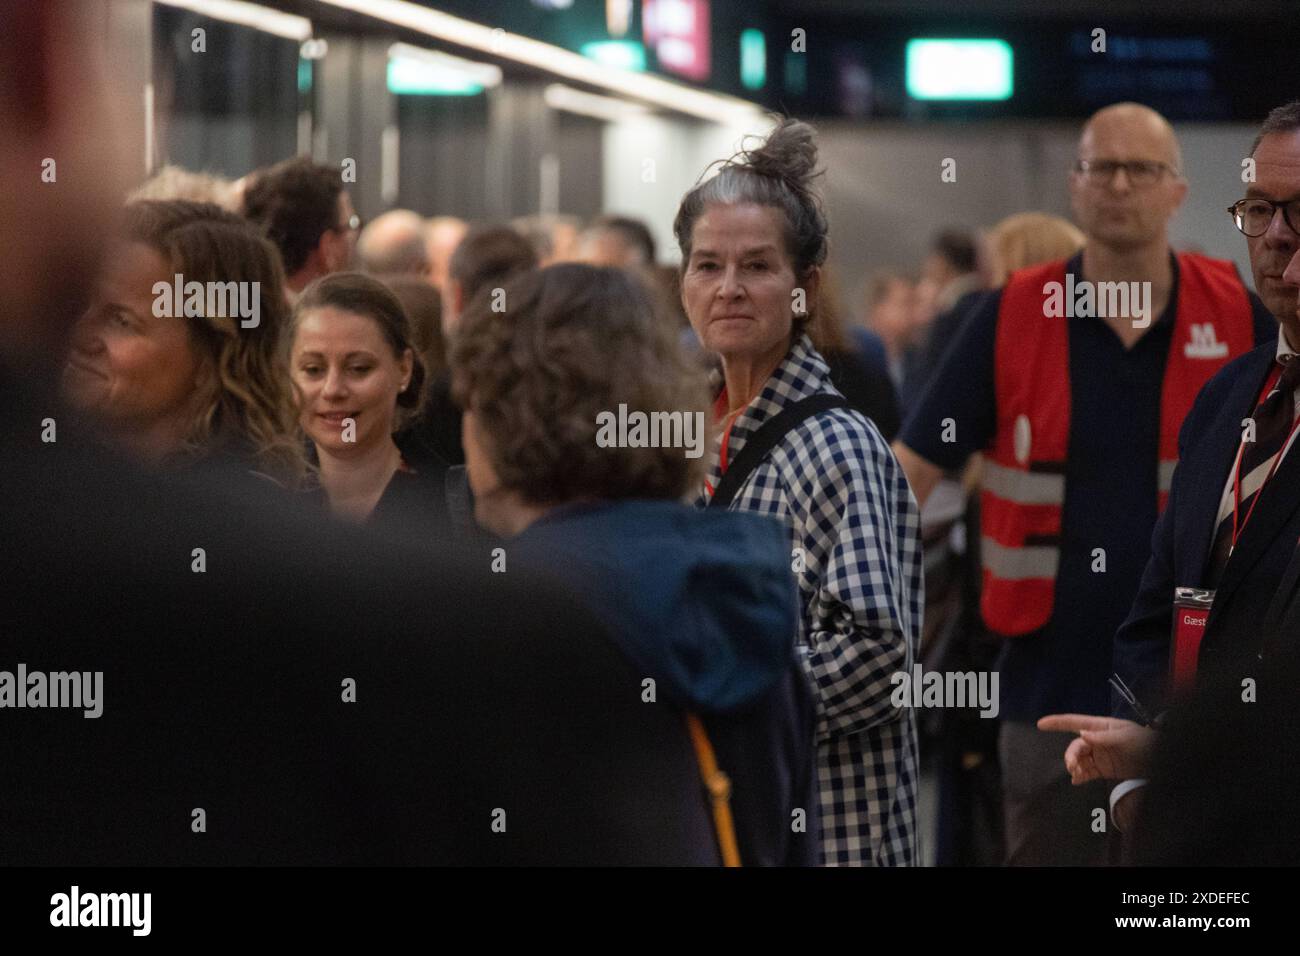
(1273, 417)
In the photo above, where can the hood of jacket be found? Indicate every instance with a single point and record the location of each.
(704, 602)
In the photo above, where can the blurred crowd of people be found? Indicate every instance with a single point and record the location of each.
(384, 462)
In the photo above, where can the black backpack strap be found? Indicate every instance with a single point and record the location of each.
(768, 436)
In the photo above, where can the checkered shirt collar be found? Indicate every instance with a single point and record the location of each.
(802, 372)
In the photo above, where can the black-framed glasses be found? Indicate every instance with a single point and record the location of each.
(1139, 172)
(1254, 216)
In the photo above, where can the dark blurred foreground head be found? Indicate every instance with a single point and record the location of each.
(228, 631)
(59, 119)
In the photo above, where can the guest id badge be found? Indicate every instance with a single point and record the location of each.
(1191, 612)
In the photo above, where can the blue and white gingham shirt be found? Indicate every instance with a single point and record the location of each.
(838, 488)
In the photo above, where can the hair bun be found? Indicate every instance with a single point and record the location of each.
(779, 173)
(789, 153)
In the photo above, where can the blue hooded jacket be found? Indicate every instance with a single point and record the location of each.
(704, 603)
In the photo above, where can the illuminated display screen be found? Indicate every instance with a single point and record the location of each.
(959, 69)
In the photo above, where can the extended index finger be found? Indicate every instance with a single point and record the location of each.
(1073, 723)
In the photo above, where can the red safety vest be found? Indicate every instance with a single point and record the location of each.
(1024, 469)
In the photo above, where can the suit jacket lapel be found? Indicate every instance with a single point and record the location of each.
(1203, 513)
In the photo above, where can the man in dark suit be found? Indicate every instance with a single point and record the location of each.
(267, 691)
(1233, 517)
(1224, 775)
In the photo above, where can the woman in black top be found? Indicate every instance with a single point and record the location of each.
(356, 376)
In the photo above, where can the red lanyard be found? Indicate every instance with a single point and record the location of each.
(1237, 531)
(720, 414)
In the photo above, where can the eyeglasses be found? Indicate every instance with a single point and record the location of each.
(1254, 216)
(1139, 172)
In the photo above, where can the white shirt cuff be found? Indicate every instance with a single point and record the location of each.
(1126, 787)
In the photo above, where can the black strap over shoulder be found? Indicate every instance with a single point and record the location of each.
(768, 436)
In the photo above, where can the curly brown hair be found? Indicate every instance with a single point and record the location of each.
(575, 341)
(247, 407)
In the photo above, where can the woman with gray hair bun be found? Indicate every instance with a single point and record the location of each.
(753, 241)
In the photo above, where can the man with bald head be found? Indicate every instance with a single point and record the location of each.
(393, 244)
(1072, 381)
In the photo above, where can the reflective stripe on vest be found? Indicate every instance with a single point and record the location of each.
(1043, 488)
(1019, 564)
(1024, 487)
(1024, 472)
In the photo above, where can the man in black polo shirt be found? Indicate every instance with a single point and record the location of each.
(1074, 393)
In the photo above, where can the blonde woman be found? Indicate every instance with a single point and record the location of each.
(200, 379)
(1026, 239)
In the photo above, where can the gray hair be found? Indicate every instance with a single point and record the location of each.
(778, 173)
(1282, 119)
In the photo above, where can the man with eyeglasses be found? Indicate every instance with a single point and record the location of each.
(1233, 520)
(305, 211)
(1073, 380)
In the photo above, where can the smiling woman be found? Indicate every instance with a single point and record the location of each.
(191, 387)
(357, 378)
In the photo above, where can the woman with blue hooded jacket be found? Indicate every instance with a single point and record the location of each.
(701, 605)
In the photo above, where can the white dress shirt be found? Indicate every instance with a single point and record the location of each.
(1251, 483)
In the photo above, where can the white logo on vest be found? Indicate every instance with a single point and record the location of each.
(1203, 344)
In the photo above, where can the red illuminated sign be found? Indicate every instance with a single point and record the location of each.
(678, 32)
